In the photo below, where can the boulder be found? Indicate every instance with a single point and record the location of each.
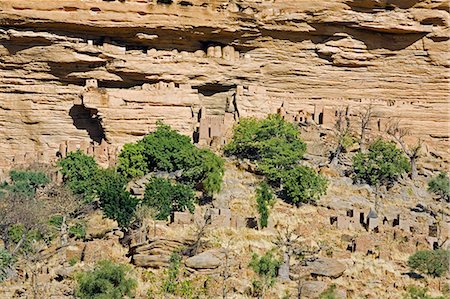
(97, 226)
(205, 260)
(326, 267)
(151, 261)
(313, 289)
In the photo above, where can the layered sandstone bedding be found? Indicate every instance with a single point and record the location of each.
(78, 72)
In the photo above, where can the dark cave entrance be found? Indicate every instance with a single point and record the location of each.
(87, 119)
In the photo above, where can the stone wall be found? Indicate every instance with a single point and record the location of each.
(154, 61)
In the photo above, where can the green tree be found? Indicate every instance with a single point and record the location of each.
(106, 281)
(271, 142)
(266, 267)
(132, 162)
(276, 147)
(381, 165)
(303, 184)
(167, 197)
(78, 170)
(167, 150)
(24, 182)
(264, 199)
(431, 262)
(440, 185)
(115, 201)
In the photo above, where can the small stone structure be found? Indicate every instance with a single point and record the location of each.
(104, 153)
(216, 218)
(362, 220)
(215, 129)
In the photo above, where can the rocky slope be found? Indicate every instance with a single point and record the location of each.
(87, 71)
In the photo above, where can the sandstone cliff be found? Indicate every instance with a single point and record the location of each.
(97, 70)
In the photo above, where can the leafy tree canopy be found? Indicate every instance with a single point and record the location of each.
(116, 202)
(303, 184)
(106, 281)
(167, 150)
(271, 142)
(431, 262)
(24, 182)
(266, 267)
(381, 165)
(78, 171)
(264, 199)
(167, 197)
(440, 185)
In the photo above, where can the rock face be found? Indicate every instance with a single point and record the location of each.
(155, 253)
(204, 260)
(326, 267)
(98, 72)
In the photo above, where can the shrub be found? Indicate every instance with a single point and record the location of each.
(431, 262)
(440, 185)
(167, 150)
(272, 142)
(170, 284)
(25, 183)
(115, 201)
(414, 292)
(303, 184)
(17, 232)
(78, 231)
(6, 261)
(167, 197)
(212, 171)
(381, 165)
(78, 171)
(132, 161)
(266, 267)
(276, 147)
(264, 199)
(106, 280)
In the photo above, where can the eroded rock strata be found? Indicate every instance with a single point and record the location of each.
(78, 73)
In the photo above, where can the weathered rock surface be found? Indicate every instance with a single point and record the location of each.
(326, 267)
(204, 260)
(313, 289)
(153, 61)
(97, 225)
(155, 253)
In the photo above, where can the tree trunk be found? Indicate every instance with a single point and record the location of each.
(413, 168)
(64, 238)
(283, 271)
(336, 154)
(362, 141)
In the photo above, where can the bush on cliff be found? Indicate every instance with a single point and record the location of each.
(106, 280)
(440, 185)
(264, 199)
(24, 182)
(303, 184)
(78, 171)
(117, 203)
(381, 165)
(275, 146)
(167, 197)
(83, 176)
(272, 143)
(430, 262)
(167, 150)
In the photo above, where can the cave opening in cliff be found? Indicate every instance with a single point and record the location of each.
(88, 120)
